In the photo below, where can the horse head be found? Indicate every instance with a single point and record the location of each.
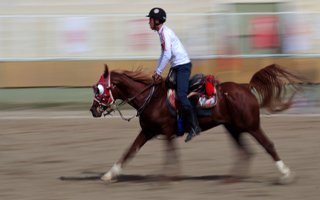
(129, 86)
(103, 97)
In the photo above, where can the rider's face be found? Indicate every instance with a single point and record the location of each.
(154, 24)
(151, 23)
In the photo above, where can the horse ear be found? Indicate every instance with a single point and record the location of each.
(106, 71)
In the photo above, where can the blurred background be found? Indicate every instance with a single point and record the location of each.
(51, 52)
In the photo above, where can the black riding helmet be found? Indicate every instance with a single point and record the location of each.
(158, 13)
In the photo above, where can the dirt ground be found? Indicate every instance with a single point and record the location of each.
(37, 148)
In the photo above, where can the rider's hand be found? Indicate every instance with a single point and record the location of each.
(156, 78)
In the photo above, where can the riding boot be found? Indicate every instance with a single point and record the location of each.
(195, 129)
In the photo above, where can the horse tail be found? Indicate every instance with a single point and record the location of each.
(271, 85)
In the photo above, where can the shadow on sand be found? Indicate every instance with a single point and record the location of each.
(94, 176)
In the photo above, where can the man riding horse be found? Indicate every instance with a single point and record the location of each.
(238, 109)
(173, 51)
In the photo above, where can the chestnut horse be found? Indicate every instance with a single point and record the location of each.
(238, 110)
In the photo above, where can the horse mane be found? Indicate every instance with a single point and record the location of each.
(137, 75)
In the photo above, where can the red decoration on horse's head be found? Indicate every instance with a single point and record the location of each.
(102, 91)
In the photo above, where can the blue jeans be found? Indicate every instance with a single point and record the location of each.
(183, 73)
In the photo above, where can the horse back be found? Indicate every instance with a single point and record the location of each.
(239, 90)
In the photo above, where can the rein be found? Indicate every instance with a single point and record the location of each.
(128, 100)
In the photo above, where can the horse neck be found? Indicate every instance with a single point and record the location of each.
(128, 88)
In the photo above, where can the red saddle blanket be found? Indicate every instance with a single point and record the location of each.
(206, 94)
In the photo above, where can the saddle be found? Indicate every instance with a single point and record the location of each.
(202, 93)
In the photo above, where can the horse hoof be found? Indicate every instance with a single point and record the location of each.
(286, 179)
(107, 178)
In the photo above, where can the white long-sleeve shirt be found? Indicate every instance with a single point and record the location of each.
(171, 50)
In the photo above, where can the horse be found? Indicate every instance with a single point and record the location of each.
(237, 109)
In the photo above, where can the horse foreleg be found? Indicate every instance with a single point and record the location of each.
(287, 174)
(118, 166)
(172, 164)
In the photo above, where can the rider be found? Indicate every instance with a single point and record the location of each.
(173, 51)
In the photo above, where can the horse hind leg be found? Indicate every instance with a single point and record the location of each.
(240, 168)
(287, 174)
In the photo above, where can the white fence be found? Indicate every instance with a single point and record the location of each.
(128, 36)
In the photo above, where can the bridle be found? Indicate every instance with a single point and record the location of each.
(111, 105)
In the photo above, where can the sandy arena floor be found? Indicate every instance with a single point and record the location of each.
(37, 148)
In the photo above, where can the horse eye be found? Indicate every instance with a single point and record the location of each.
(100, 89)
